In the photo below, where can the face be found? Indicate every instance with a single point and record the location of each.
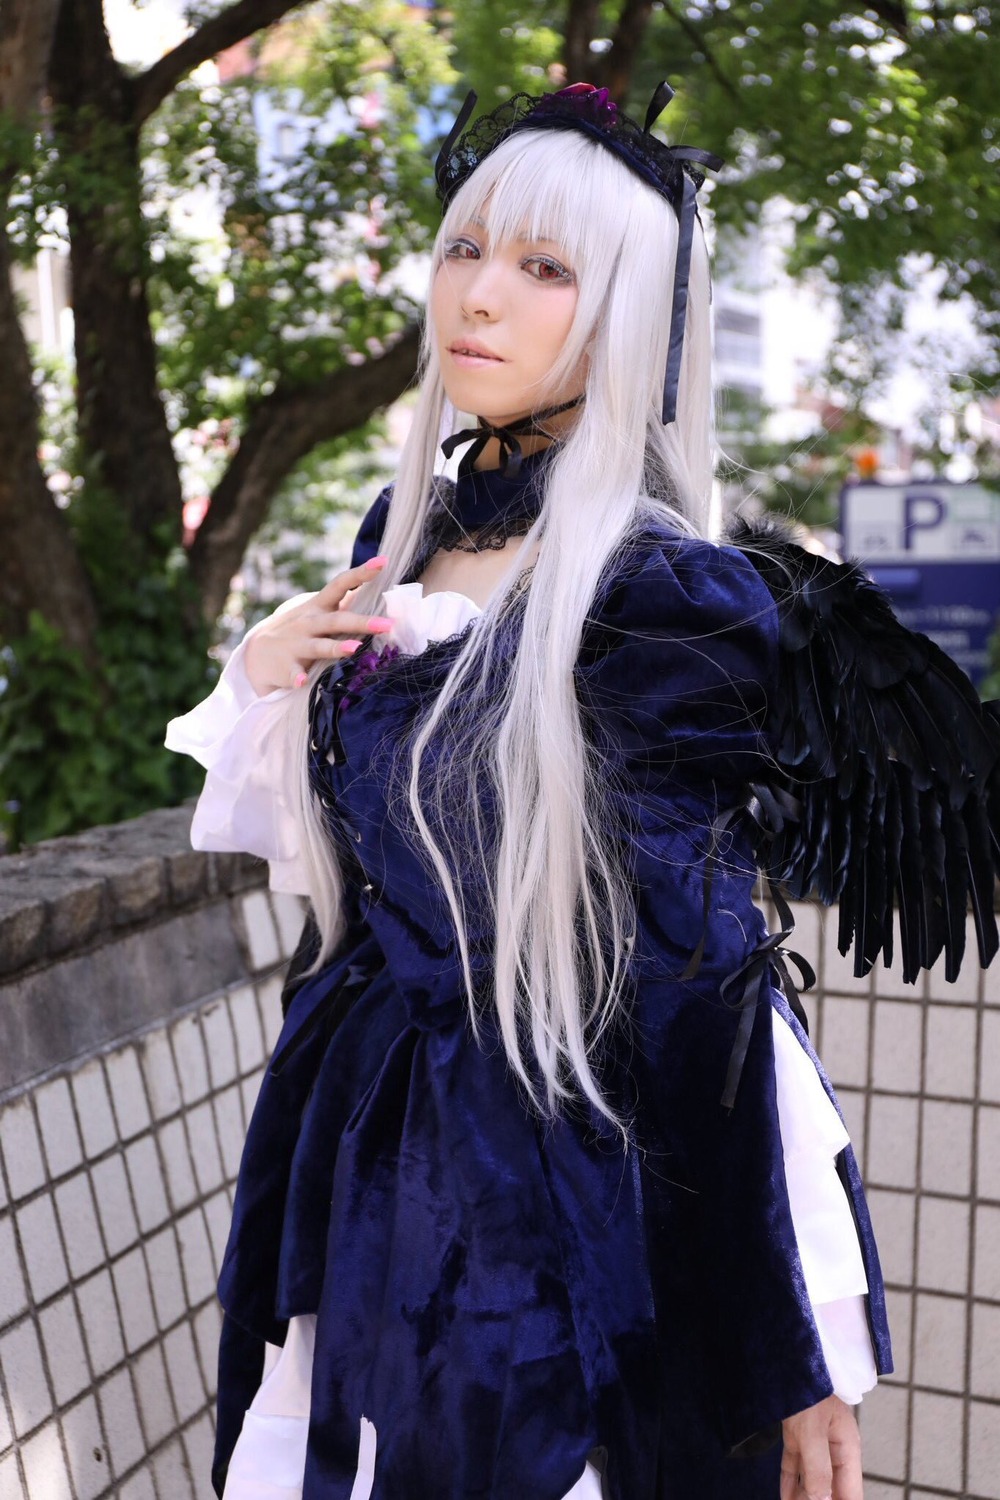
(501, 317)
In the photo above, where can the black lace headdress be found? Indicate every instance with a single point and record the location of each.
(673, 171)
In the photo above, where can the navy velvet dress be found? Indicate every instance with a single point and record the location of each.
(504, 1296)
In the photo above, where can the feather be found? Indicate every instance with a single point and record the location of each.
(894, 762)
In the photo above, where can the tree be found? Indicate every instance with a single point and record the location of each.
(104, 614)
(285, 325)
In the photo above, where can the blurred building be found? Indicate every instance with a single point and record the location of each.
(43, 291)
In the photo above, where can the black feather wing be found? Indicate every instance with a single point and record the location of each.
(890, 760)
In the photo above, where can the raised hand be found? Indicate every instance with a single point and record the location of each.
(280, 651)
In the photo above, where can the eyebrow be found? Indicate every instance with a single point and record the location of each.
(520, 239)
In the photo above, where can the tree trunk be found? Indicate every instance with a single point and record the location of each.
(26, 28)
(121, 418)
(581, 25)
(618, 65)
(39, 565)
(612, 69)
(285, 427)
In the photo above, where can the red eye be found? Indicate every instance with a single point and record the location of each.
(548, 270)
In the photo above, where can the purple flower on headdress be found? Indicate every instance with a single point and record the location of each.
(585, 101)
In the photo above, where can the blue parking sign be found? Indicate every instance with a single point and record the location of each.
(935, 548)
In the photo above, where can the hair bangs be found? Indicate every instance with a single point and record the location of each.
(531, 185)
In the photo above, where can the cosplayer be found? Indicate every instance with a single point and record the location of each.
(545, 1194)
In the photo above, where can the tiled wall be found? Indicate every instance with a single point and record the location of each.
(115, 1196)
(917, 1071)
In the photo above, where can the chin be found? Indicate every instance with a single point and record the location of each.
(480, 403)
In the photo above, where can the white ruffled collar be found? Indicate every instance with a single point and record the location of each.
(419, 618)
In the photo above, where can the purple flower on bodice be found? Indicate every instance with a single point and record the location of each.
(583, 100)
(362, 666)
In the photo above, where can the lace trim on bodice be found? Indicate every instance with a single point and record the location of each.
(443, 532)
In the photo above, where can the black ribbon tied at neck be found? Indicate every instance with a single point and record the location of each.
(511, 454)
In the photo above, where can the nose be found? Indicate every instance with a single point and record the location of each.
(482, 292)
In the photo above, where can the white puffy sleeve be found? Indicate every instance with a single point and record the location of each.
(812, 1136)
(246, 805)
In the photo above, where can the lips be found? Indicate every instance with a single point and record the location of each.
(472, 348)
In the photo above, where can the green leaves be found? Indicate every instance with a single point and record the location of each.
(316, 183)
(76, 750)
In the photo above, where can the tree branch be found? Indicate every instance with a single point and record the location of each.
(286, 426)
(233, 25)
(701, 44)
(894, 14)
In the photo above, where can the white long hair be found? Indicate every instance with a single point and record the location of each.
(562, 906)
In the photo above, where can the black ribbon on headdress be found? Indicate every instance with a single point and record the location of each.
(687, 212)
(461, 120)
(685, 205)
(511, 455)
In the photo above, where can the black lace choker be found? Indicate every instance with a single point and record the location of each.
(511, 456)
(483, 508)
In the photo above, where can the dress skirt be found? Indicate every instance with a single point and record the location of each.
(269, 1459)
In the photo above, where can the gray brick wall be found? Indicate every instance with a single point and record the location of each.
(139, 996)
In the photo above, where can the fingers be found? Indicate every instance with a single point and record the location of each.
(282, 650)
(845, 1453)
(789, 1488)
(803, 1479)
(816, 1470)
(330, 596)
(325, 649)
(321, 649)
(806, 1462)
(344, 622)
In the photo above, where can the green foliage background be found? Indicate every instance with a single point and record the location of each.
(876, 126)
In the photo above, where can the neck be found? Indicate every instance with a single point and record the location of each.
(556, 426)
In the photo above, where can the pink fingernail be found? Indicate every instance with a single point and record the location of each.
(379, 622)
(350, 645)
(301, 678)
(376, 562)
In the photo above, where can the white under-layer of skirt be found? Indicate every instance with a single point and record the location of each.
(269, 1459)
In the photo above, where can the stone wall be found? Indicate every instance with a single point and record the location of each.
(139, 996)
